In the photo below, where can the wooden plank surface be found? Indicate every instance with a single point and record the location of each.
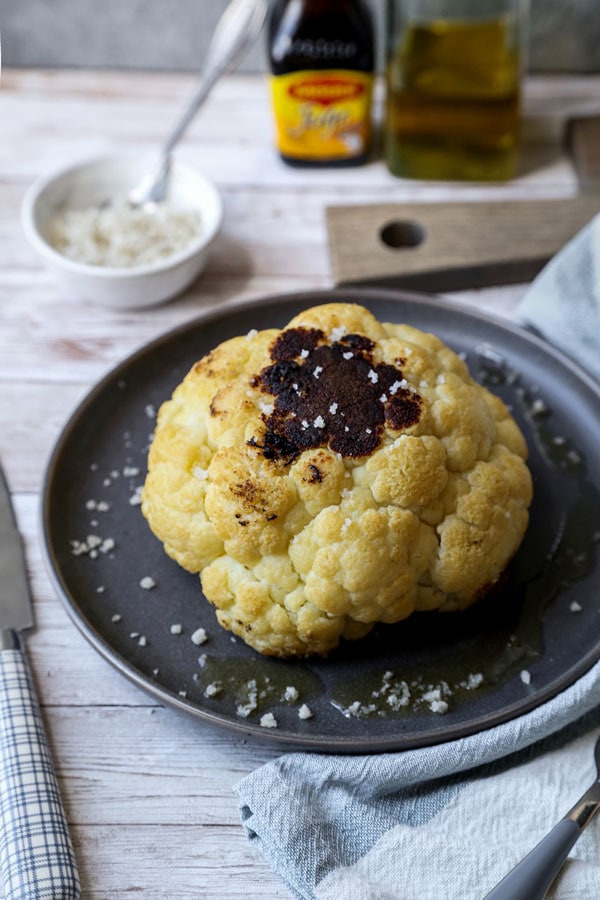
(418, 245)
(149, 792)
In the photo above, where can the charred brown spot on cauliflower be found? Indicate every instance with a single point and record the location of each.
(331, 394)
(335, 474)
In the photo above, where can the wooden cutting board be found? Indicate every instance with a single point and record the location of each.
(451, 246)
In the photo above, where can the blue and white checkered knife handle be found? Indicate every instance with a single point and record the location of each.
(36, 855)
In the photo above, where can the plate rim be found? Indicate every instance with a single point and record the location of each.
(341, 744)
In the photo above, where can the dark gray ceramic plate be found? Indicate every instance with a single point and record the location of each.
(544, 619)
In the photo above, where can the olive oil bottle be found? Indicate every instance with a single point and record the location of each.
(322, 63)
(453, 97)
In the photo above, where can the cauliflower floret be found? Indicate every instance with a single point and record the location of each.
(335, 474)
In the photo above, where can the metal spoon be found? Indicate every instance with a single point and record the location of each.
(532, 877)
(236, 31)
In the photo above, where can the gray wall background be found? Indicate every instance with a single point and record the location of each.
(172, 34)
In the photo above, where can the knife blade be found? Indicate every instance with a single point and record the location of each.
(36, 855)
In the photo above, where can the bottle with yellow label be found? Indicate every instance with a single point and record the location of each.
(322, 62)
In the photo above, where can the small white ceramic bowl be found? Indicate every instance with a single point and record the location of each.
(90, 184)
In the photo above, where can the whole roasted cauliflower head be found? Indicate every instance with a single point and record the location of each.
(333, 474)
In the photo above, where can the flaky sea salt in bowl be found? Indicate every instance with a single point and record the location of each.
(112, 254)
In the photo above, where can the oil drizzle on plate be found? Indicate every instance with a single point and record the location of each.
(502, 635)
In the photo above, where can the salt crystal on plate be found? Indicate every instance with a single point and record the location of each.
(147, 583)
(268, 721)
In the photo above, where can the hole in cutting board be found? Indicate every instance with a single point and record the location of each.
(401, 235)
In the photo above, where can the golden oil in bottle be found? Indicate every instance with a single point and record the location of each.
(452, 106)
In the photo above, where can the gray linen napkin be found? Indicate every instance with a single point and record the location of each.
(447, 822)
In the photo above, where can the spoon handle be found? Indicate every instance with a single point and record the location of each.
(532, 877)
(237, 28)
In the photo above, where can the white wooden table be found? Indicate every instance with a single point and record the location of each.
(148, 792)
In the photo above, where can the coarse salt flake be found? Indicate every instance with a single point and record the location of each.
(176, 629)
(373, 376)
(575, 607)
(319, 422)
(526, 677)
(474, 681)
(116, 617)
(199, 636)
(305, 712)
(78, 548)
(136, 497)
(290, 694)
(103, 506)
(268, 721)
(244, 709)
(434, 694)
(348, 354)
(147, 583)
(212, 689)
(317, 371)
(252, 334)
(338, 332)
(131, 471)
(304, 354)
(333, 409)
(120, 235)
(538, 407)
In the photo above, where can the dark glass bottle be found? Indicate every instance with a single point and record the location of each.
(321, 54)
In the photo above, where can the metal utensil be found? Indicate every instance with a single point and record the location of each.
(236, 31)
(36, 855)
(531, 879)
